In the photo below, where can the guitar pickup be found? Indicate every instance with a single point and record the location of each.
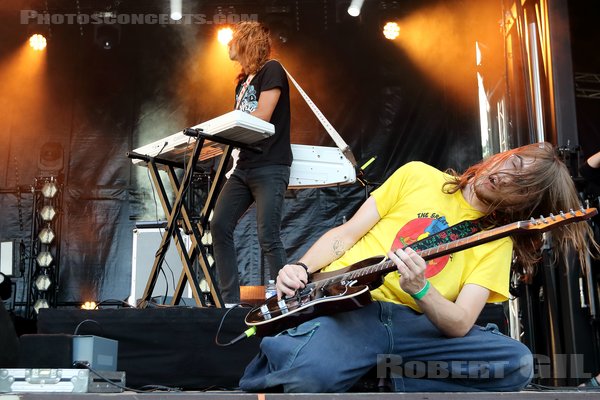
(264, 309)
(283, 306)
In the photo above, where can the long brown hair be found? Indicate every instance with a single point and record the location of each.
(253, 44)
(544, 187)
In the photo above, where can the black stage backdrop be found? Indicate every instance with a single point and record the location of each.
(157, 79)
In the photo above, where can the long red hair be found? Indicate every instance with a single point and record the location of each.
(253, 44)
(549, 189)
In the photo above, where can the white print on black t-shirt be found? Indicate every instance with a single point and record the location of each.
(249, 102)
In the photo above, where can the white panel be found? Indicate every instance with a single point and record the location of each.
(6, 257)
(145, 245)
(319, 166)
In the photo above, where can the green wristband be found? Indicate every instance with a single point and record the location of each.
(421, 293)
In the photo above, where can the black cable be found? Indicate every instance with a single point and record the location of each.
(76, 332)
(249, 332)
(111, 382)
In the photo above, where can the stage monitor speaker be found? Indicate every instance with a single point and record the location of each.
(146, 242)
(46, 351)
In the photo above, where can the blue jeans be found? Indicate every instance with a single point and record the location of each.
(330, 354)
(266, 186)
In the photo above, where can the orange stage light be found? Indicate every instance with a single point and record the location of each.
(89, 305)
(391, 30)
(37, 42)
(224, 35)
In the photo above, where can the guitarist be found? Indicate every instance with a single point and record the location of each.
(420, 328)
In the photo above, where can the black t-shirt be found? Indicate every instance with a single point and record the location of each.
(276, 149)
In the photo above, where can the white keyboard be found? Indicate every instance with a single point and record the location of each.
(235, 125)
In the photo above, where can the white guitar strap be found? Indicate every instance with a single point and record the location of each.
(340, 143)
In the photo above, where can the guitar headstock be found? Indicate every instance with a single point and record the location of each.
(553, 221)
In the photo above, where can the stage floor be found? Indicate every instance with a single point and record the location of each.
(527, 395)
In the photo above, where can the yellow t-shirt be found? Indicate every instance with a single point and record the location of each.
(412, 205)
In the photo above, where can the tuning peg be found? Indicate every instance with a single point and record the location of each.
(562, 214)
(572, 212)
(534, 221)
(552, 217)
(543, 219)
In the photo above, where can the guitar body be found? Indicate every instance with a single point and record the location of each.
(324, 295)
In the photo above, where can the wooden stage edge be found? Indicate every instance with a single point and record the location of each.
(222, 395)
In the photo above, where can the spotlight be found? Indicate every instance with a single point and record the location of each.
(176, 14)
(37, 42)
(39, 304)
(44, 259)
(224, 35)
(89, 305)
(50, 162)
(48, 213)
(355, 7)
(43, 282)
(391, 30)
(49, 189)
(46, 236)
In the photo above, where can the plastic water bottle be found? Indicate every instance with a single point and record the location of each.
(270, 289)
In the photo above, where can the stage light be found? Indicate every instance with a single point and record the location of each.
(89, 305)
(46, 235)
(39, 304)
(44, 259)
(391, 30)
(37, 42)
(51, 159)
(176, 13)
(355, 7)
(48, 213)
(224, 35)
(43, 282)
(49, 189)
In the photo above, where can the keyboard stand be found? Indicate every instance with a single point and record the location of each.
(178, 209)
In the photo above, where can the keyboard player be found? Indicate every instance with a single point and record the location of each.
(262, 178)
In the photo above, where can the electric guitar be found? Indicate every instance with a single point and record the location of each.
(349, 288)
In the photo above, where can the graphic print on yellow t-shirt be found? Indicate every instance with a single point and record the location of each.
(418, 229)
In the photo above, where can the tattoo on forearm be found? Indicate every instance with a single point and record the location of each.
(338, 247)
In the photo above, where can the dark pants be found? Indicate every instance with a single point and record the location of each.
(266, 186)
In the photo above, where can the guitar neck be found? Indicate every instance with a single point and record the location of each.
(541, 224)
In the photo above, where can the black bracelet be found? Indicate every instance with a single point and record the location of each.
(303, 266)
